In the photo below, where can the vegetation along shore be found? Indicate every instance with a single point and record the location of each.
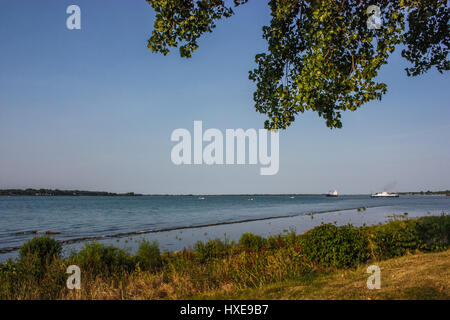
(327, 262)
(56, 192)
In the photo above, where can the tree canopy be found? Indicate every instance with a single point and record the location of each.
(322, 55)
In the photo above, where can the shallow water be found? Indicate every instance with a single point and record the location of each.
(120, 220)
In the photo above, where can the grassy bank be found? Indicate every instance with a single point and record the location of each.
(326, 262)
(414, 276)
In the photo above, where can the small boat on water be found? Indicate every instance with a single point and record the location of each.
(332, 194)
(384, 194)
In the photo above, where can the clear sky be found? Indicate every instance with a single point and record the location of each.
(94, 109)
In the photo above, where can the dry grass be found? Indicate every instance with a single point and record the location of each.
(419, 276)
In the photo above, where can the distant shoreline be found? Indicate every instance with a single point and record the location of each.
(56, 192)
(78, 193)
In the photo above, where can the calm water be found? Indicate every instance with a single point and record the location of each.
(114, 217)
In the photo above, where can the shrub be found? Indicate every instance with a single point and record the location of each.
(433, 233)
(52, 284)
(289, 239)
(399, 237)
(333, 246)
(148, 256)
(98, 259)
(251, 241)
(394, 239)
(9, 277)
(275, 242)
(27, 279)
(44, 247)
(36, 254)
(211, 249)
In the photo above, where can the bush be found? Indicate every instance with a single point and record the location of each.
(333, 246)
(148, 256)
(39, 252)
(211, 249)
(9, 277)
(399, 237)
(433, 233)
(251, 241)
(395, 239)
(39, 273)
(44, 247)
(98, 259)
(287, 240)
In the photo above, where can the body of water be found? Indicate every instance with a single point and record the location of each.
(126, 220)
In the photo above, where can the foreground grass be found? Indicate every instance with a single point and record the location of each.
(420, 276)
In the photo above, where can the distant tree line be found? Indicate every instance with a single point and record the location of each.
(443, 192)
(56, 192)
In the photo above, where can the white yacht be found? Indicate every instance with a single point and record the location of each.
(332, 193)
(384, 194)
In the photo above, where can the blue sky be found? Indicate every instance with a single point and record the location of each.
(94, 109)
